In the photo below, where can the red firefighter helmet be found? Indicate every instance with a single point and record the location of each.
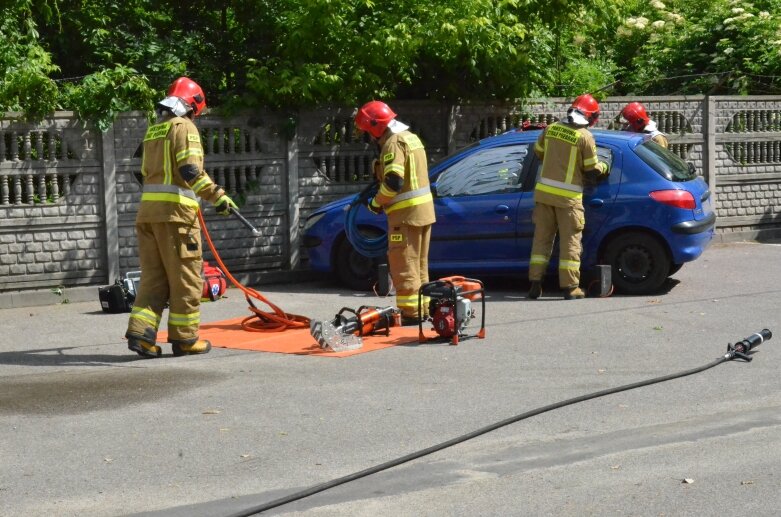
(189, 91)
(374, 117)
(587, 106)
(635, 115)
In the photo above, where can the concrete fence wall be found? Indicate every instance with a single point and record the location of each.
(69, 193)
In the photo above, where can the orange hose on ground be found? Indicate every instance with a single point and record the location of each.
(276, 321)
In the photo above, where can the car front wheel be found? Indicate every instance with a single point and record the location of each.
(353, 269)
(639, 263)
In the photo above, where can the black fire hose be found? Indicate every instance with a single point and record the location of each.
(740, 350)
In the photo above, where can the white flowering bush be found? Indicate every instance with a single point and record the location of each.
(701, 46)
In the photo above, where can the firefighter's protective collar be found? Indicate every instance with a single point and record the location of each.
(397, 127)
(176, 105)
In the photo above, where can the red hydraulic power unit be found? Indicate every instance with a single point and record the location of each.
(450, 306)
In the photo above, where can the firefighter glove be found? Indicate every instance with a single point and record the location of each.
(224, 205)
(373, 206)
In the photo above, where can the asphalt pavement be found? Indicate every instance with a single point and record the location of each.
(90, 429)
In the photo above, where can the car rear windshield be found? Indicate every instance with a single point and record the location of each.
(666, 163)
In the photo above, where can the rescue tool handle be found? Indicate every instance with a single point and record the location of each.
(753, 341)
(741, 348)
(245, 222)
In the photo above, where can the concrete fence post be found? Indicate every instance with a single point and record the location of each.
(292, 194)
(110, 216)
(709, 153)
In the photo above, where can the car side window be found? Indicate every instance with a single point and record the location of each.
(489, 171)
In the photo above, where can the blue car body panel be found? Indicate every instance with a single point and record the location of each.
(492, 233)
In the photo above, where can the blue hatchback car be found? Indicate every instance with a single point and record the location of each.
(652, 215)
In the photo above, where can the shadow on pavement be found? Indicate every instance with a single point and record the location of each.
(59, 357)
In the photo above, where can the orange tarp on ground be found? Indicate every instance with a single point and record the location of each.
(230, 334)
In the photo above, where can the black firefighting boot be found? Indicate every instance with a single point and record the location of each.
(535, 290)
(200, 346)
(574, 293)
(143, 348)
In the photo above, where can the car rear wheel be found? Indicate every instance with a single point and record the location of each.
(353, 269)
(639, 263)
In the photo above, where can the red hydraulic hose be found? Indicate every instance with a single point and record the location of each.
(260, 321)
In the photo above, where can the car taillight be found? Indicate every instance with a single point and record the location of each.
(676, 198)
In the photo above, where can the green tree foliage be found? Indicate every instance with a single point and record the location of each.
(701, 46)
(101, 96)
(101, 57)
(25, 66)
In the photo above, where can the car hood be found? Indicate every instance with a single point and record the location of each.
(339, 203)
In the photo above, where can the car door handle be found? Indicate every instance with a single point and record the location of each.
(502, 209)
(596, 202)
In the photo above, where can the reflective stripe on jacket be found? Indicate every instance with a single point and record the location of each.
(171, 147)
(404, 155)
(567, 152)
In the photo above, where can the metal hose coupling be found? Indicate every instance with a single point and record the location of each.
(742, 348)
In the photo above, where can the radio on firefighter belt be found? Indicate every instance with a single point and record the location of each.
(450, 306)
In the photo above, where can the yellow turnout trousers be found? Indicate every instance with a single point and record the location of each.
(569, 222)
(408, 265)
(170, 255)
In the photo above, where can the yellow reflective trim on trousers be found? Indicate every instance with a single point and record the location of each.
(410, 202)
(201, 184)
(558, 191)
(184, 320)
(186, 153)
(146, 316)
(539, 260)
(169, 198)
(573, 155)
(569, 265)
(410, 301)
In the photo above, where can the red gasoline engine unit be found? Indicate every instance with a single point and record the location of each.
(450, 306)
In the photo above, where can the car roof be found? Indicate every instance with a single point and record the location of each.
(601, 135)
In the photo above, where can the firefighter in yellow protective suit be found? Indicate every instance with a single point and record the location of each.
(568, 152)
(636, 119)
(167, 227)
(405, 196)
